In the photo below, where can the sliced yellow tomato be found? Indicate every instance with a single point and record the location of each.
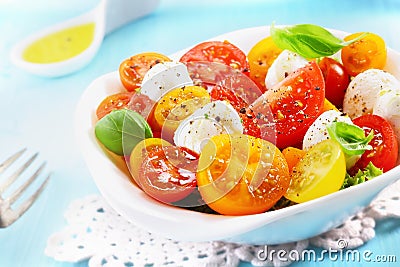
(241, 174)
(320, 172)
(260, 58)
(140, 151)
(178, 104)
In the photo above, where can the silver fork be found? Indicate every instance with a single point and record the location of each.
(8, 214)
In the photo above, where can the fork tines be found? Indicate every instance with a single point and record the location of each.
(8, 215)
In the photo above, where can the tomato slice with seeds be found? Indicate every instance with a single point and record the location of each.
(133, 69)
(367, 53)
(218, 51)
(261, 56)
(241, 174)
(168, 173)
(113, 102)
(295, 103)
(384, 151)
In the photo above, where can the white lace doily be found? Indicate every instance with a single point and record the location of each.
(96, 232)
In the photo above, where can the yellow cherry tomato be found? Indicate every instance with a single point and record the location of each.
(178, 104)
(241, 174)
(139, 152)
(367, 53)
(320, 172)
(260, 58)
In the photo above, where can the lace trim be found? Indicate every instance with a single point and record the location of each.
(96, 232)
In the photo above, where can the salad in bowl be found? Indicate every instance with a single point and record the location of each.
(262, 135)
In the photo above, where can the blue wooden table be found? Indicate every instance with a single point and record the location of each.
(38, 112)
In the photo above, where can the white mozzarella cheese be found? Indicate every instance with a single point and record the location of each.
(163, 77)
(318, 132)
(215, 118)
(283, 65)
(364, 89)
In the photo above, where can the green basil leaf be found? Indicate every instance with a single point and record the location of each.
(308, 40)
(121, 130)
(351, 138)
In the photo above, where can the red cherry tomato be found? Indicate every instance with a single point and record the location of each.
(113, 102)
(384, 151)
(294, 103)
(218, 51)
(248, 119)
(336, 80)
(168, 173)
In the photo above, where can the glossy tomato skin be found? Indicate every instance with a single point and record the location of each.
(113, 102)
(261, 56)
(218, 51)
(295, 103)
(241, 174)
(176, 105)
(336, 80)
(367, 53)
(133, 69)
(140, 151)
(168, 173)
(384, 151)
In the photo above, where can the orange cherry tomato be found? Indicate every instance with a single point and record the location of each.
(133, 69)
(260, 58)
(241, 174)
(113, 102)
(367, 53)
(176, 105)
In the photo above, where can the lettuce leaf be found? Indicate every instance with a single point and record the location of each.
(361, 176)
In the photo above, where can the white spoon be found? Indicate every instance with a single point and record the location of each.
(105, 17)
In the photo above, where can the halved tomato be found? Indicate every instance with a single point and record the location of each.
(261, 57)
(133, 69)
(319, 172)
(367, 53)
(113, 102)
(385, 150)
(168, 173)
(140, 151)
(294, 103)
(176, 105)
(241, 174)
(218, 51)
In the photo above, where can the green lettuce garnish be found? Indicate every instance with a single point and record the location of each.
(361, 176)
(309, 40)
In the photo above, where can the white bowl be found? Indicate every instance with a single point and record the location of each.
(285, 225)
